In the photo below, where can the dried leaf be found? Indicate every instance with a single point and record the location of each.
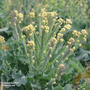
(5, 47)
(85, 74)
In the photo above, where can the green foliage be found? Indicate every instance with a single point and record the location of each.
(38, 57)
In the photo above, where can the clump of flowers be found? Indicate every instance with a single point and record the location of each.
(31, 14)
(53, 41)
(31, 46)
(29, 30)
(16, 17)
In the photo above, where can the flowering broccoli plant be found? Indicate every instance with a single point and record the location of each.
(37, 52)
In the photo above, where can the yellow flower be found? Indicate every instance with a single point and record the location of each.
(9, 23)
(62, 53)
(53, 40)
(15, 11)
(61, 65)
(33, 61)
(61, 40)
(73, 48)
(32, 14)
(50, 48)
(84, 39)
(28, 55)
(50, 56)
(56, 75)
(56, 60)
(31, 43)
(2, 39)
(44, 52)
(54, 82)
(66, 58)
(68, 21)
(20, 15)
(33, 56)
(30, 34)
(80, 44)
(67, 27)
(23, 36)
(54, 79)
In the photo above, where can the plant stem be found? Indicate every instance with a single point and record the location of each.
(24, 44)
(17, 33)
(39, 26)
(1, 46)
(41, 44)
(30, 63)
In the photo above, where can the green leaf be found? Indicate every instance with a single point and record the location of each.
(4, 29)
(19, 79)
(69, 70)
(37, 85)
(58, 88)
(68, 87)
(0, 64)
(82, 54)
(74, 65)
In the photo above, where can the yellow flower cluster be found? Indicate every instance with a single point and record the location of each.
(47, 15)
(67, 26)
(43, 13)
(50, 48)
(23, 36)
(84, 32)
(52, 14)
(53, 41)
(2, 39)
(17, 16)
(20, 15)
(31, 43)
(68, 21)
(75, 33)
(15, 12)
(32, 14)
(45, 22)
(45, 28)
(61, 66)
(29, 29)
(62, 30)
(71, 41)
(31, 46)
(60, 20)
(59, 35)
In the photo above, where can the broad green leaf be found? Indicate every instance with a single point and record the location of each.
(58, 88)
(37, 86)
(82, 54)
(74, 65)
(19, 78)
(4, 29)
(68, 87)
